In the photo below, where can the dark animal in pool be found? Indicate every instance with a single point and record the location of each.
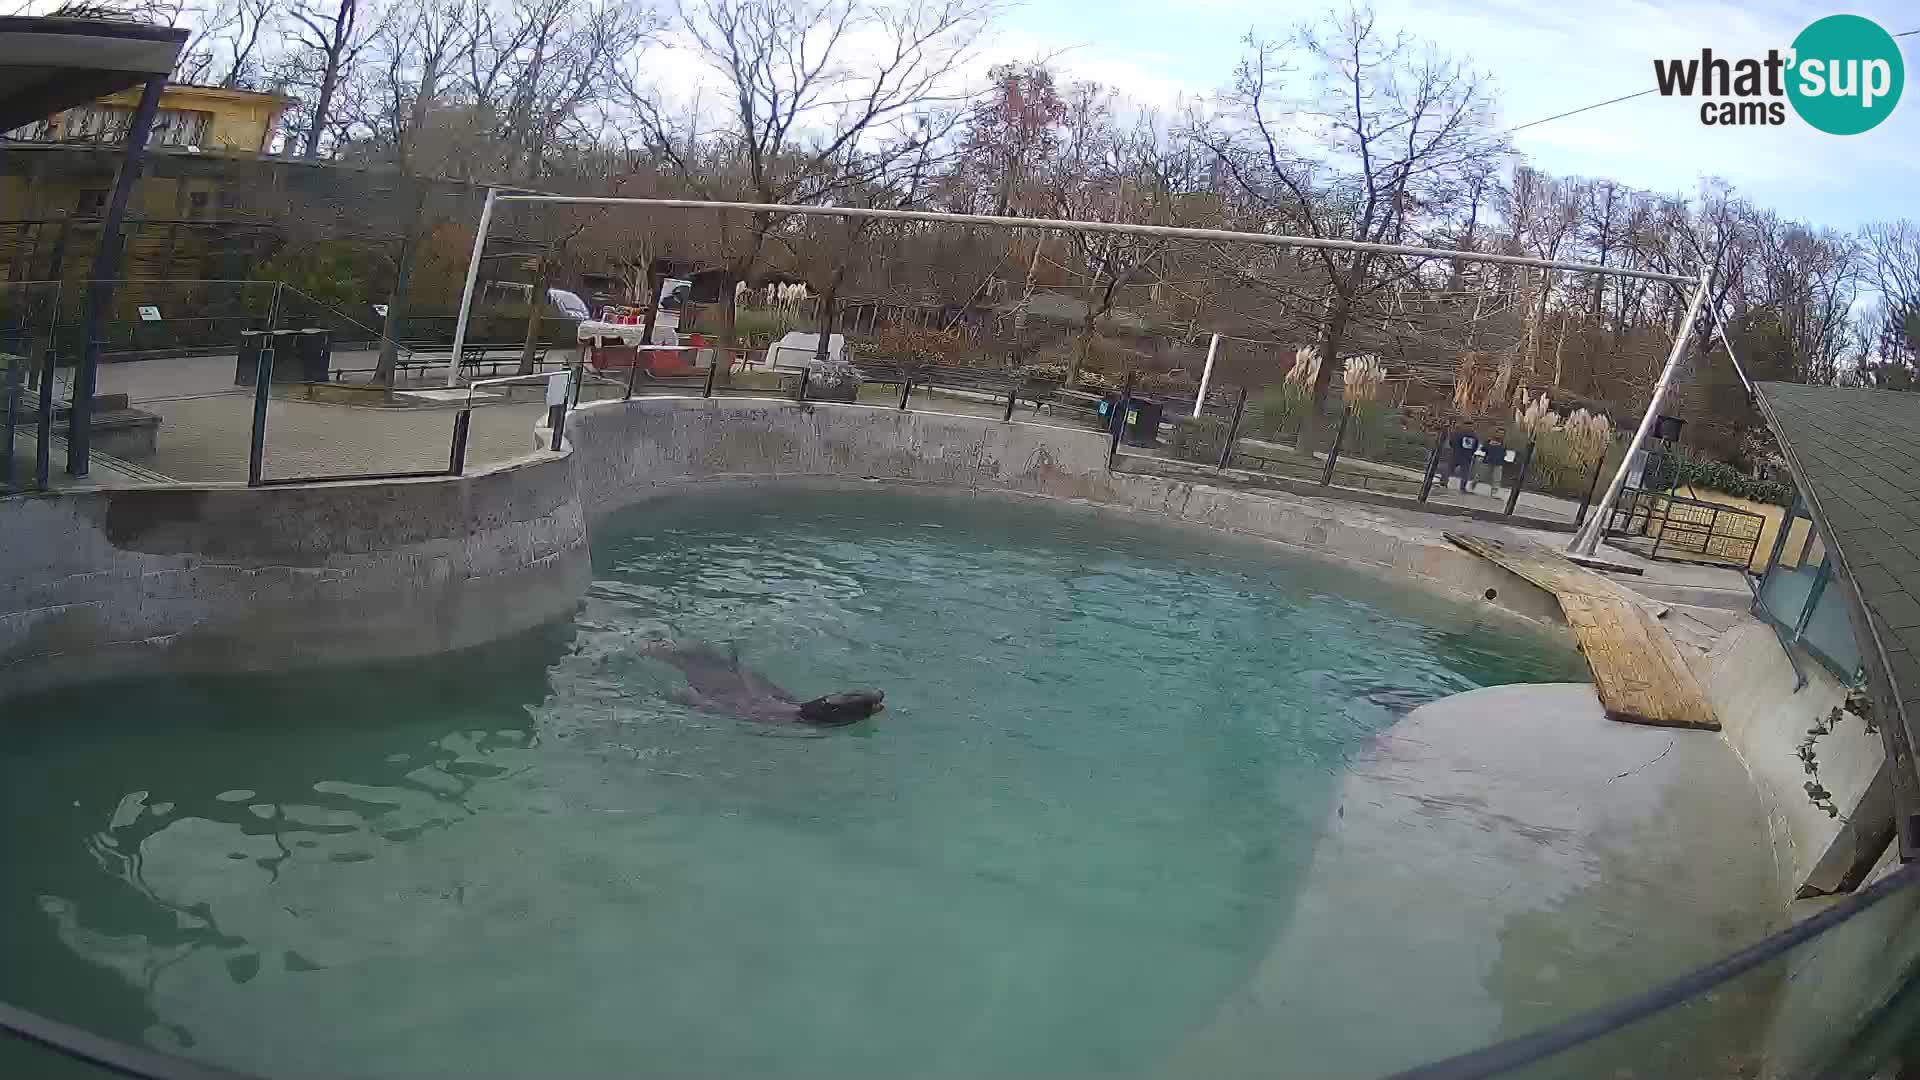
(717, 683)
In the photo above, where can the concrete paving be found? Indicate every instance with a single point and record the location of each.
(1535, 860)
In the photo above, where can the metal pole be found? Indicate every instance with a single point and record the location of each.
(1013, 391)
(1119, 424)
(1587, 540)
(45, 430)
(466, 297)
(906, 387)
(16, 372)
(457, 460)
(713, 362)
(1433, 465)
(804, 373)
(1118, 228)
(257, 445)
(1519, 482)
(106, 264)
(1233, 431)
(1333, 452)
(1206, 374)
(1586, 500)
(633, 370)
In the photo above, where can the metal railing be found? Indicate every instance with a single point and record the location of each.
(1662, 525)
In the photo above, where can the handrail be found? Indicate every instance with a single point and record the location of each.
(1526, 1050)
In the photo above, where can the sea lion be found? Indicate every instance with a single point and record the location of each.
(717, 683)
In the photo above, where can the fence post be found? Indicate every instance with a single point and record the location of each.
(906, 387)
(712, 364)
(805, 374)
(1433, 465)
(15, 377)
(262, 384)
(1333, 452)
(633, 373)
(1586, 500)
(41, 462)
(1233, 430)
(579, 374)
(1519, 482)
(457, 461)
(1119, 418)
(1013, 391)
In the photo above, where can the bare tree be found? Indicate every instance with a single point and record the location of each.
(331, 34)
(808, 81)
(1398, 126)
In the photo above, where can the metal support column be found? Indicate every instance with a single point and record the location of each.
(106, 267)
(466, 297)
(1587, 540)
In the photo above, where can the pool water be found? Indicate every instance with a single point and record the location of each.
(1107, 751)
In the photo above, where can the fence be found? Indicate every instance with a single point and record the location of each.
(1368, 451)
(1661, 525)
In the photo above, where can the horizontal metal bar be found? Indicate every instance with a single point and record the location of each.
(1167, 232)
(82, 1045)
(273, 481)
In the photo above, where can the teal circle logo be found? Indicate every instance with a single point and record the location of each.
(1846, 76)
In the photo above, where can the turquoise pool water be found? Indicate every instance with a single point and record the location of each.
(1107, 752)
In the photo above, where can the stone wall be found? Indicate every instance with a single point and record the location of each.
(181, 578)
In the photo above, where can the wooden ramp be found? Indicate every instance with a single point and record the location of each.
(1638, 670)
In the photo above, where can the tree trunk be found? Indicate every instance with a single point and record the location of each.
(322, 106)
(536, 308)
(397, 303)
(827, 299)
(729, 334)
(653, 305)
(1313, 427)
(1083, 344)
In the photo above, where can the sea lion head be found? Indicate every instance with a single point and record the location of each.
(845, 707)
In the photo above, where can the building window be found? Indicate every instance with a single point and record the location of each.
(181, 127)
(110, 124)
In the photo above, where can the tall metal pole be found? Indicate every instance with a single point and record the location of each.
(106, 266)
(1206, 375)
(1587, 540)
(466, 296)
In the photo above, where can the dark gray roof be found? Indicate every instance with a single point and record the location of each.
(1857, 454)
(47, 65)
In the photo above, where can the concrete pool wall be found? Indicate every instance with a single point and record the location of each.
(182, 578)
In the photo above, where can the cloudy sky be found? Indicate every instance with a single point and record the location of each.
(1547, 57)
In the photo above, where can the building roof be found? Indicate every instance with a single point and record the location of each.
(49, 65)
(1856, 457)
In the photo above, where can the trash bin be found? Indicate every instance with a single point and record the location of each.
(286, 355)
(316, 354)
(246, 365)
(1143, 421)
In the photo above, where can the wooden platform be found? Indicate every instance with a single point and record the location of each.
(1637, 668)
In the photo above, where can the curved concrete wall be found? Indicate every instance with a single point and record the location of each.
(628, 451)
(178, 578)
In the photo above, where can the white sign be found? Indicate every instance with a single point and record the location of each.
(557, 389)
(149, 313)
(380, 310)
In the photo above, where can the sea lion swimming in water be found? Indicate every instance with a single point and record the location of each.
(717, 683)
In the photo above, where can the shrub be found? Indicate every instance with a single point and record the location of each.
(1198, 439)
(834, 380)
(1276, 412)
(1719, 476)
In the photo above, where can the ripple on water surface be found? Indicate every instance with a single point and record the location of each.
(1106, 753)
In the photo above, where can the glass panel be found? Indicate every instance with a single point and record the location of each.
(1829, 629)
(1787, 588)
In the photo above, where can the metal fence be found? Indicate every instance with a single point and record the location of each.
(1661, 525)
